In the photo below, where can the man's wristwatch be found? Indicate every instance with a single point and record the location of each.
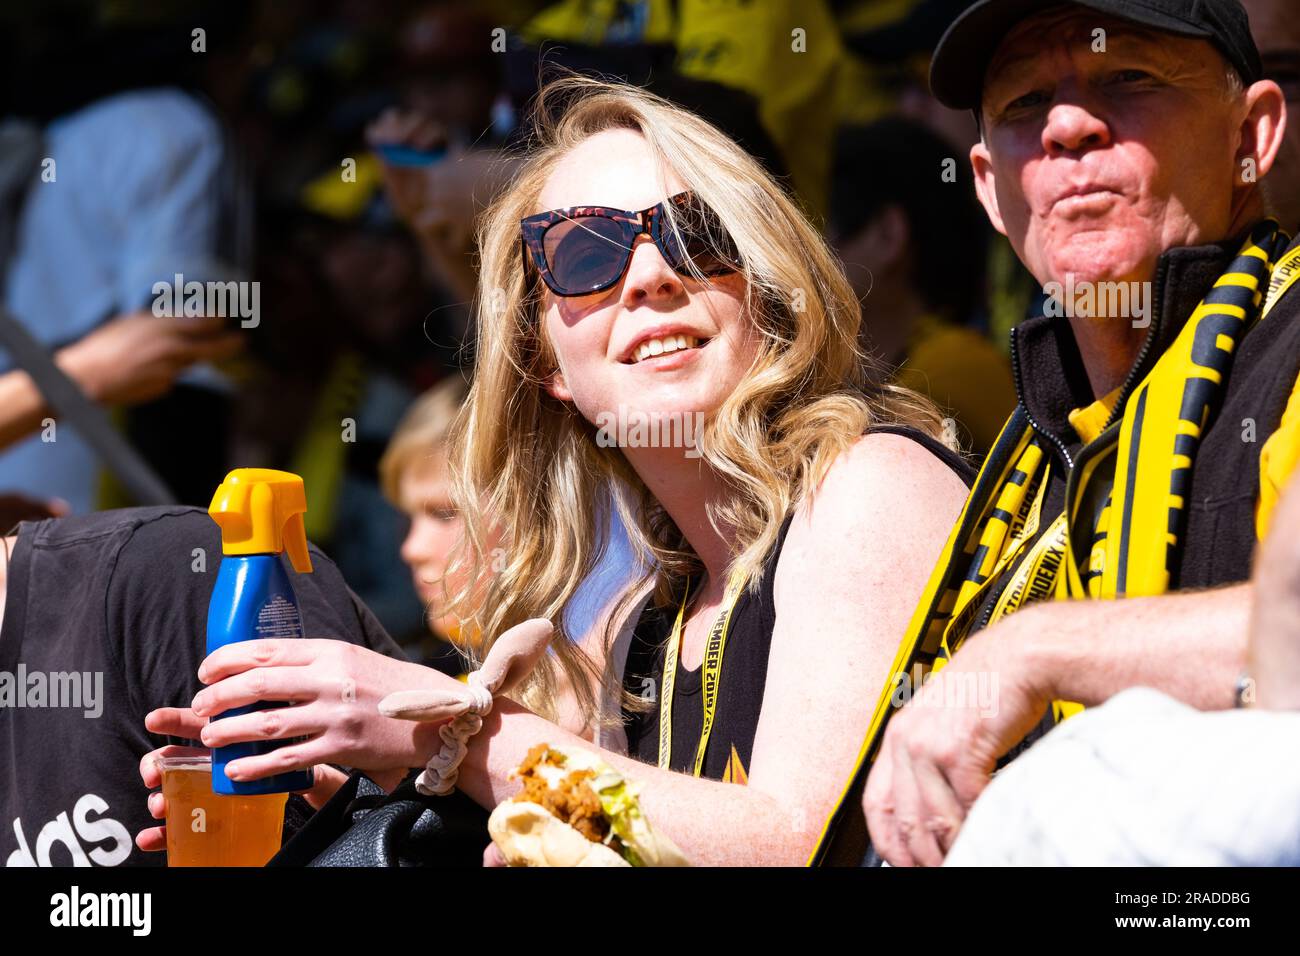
(1245, 692)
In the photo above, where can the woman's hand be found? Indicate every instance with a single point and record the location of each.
(335, 688)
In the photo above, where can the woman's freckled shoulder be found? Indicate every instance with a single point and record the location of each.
(884, 457)
(882, 483)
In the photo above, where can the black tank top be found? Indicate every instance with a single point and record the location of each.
(744, 670)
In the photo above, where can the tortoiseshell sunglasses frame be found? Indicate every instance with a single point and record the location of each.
(649, 222)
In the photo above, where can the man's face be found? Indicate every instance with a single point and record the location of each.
(1275, 26)
(1096, 159)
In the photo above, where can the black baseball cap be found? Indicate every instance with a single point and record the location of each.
(963, 54)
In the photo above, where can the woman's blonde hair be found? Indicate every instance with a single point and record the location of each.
(530, 464)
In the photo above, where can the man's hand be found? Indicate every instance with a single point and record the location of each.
(182, 722)
(136, 357)
(440, 202)
(940, 750)
(16, 507)
(410, 190)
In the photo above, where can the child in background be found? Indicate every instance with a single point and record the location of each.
(415, 478)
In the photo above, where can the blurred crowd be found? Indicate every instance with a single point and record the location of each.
(237, 141)
(337, 154)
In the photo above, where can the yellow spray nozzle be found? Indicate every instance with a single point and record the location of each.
(260, 511)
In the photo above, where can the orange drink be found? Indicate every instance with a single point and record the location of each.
(211, 829)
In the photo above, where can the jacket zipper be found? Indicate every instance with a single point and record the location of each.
(1056, 442)
(1110, 431)
(1106, 435)
(1130, 382)
(989, 603)
(1033, 422)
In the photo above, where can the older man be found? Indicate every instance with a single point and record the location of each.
(1122, 148)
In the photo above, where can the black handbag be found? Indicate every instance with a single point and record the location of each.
(361, 825)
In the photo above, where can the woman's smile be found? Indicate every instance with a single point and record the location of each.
(671, 355)
(664, 346)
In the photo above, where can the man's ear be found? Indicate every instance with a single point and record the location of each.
(981, 164)
(1262, 130)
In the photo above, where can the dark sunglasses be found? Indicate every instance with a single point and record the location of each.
(586, 249)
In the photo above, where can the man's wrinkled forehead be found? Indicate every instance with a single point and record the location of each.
(1025, 47)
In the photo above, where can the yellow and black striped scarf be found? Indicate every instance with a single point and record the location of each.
(1120, 533)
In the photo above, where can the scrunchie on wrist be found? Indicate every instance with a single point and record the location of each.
(512, 657)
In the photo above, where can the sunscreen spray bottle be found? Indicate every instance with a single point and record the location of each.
(260, 513)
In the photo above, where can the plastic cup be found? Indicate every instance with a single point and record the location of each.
(212, 829)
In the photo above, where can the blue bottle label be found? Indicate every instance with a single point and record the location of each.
(253, 599)
(279, 617)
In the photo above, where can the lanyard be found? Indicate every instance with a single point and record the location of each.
(712, 674)
(1285, 274)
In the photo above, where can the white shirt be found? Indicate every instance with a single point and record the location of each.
(1145, 780)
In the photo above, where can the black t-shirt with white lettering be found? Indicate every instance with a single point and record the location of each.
(105, 620)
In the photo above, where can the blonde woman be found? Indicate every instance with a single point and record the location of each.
(641, 264)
